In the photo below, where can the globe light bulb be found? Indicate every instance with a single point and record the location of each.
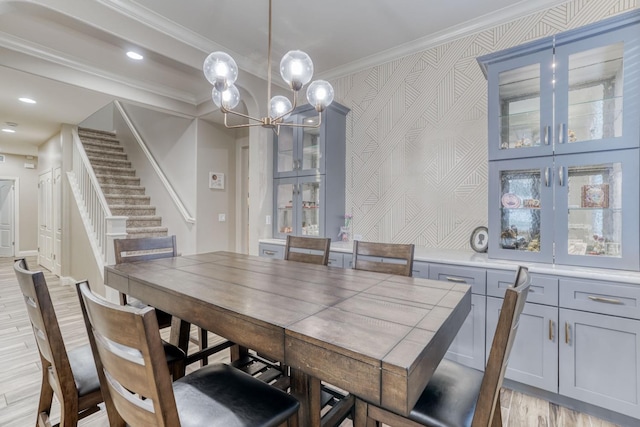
(220, 70)
(278, 106)
(296, 69)
(320, 94)
(227, 99)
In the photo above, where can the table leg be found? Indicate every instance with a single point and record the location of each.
(180, 333)
(237, 352)
(307, 390)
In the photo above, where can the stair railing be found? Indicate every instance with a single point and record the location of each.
(102, 227)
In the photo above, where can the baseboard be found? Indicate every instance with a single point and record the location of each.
(27, 253)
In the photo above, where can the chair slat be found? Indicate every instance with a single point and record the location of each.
(390, 251)
(319, 246)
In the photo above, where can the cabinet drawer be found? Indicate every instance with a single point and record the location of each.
(336, 259)
(271, 251)
(420, 269)
(613, 298)
(543, 290)
(476, 277)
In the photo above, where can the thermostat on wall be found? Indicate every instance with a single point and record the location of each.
(29, 166)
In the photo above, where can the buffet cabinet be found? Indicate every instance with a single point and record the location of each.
(578, 338)
(564, 144)
(309, 162)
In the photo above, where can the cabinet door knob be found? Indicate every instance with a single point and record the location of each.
(603, 299)
(561, 134)
(456, 280)
(561, 176)
(546, 134)
(546, 176)
(551, 328)
(566, 332)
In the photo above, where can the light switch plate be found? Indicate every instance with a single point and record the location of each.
(222, 217)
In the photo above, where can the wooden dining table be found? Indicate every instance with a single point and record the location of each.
(377, 336)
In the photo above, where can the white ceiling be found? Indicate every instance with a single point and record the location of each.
(69, 54)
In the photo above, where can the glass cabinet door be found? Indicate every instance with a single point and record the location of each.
(596, 93)
(520, 112)
(285, 201)
(521, 209)
(594, 205)
(285, 161)
(310, 145)
(310, 208)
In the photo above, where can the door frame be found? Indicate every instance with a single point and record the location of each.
(16, 212)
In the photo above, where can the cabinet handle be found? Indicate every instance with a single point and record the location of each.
(561, 176)
(603, 299)
(546, 134)
(561, 135)
(566, 332)
(546, 176)
(269, 252)
(550, 330)
(456, 280)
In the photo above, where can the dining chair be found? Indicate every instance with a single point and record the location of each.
(456, 395)
(312, 250)
(70, 375)
(151, 248)
(398, 257)
(139, 392)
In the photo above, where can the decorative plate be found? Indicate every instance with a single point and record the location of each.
(510, 200)
(479, 239)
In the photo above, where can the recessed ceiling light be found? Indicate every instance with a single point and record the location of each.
(134, 55)
(7, 130)
(27, 100)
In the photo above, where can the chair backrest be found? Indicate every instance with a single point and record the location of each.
(512, 306)
(130, 360)
(145, 248)
(319, 246)
(399, 257)
(45, 326)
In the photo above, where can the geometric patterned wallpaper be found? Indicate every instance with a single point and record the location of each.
(417, 132)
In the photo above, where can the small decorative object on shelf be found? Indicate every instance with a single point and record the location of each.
(479, 239)
(595, 196)
(345, 230)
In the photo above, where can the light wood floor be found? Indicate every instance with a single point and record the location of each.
(20, 366)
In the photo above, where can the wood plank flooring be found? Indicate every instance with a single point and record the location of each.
(20, 364)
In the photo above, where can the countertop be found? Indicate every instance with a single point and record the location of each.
(473, 259)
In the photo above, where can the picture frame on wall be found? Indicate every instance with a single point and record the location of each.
(216, 180)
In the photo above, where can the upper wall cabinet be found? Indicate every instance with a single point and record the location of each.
(573, 92)
(301, 151)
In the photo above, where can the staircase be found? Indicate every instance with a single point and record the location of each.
(120, 185)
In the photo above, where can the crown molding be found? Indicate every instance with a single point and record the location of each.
(474, 26)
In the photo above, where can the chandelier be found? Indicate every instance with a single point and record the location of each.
(296, 69)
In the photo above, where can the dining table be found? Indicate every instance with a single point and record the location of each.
(376, 336)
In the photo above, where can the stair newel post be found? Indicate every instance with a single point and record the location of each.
(116, 229)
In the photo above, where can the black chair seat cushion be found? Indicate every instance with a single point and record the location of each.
(450, 396)
(84, 370)
(220, 395)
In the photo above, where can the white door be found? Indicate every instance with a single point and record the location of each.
(6, 218)
(45, 221)
(57, 221)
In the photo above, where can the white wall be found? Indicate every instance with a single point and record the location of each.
(216, 152)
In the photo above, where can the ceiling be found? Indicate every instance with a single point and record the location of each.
(69, 55)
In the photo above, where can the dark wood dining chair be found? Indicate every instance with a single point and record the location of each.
(71, 375)
(312, 250)
(139, 392)
(457, 395)
(150, 248)
(368, 256)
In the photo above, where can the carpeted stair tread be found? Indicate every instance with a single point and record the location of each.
(118, 180)
(96, 152)
(128, 199)
(104, 161)
(112, 170)
(122, 189)
(100, 145)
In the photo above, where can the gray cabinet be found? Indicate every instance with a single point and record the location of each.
(309, 163)
(534, 356)
(271, 251)
(468, 347)
(564, 132)
(599, 350)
